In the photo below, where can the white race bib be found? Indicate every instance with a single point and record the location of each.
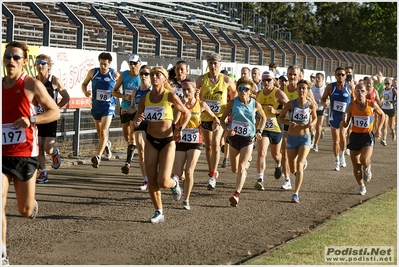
(12, 135)
(301, 115)
(241, 128)
(128, 92)
(103, 95)
(190, 135)
(361, 121)
(40, 109)
(154, 113)
(214, 105)
(269, 123)
(339, 106)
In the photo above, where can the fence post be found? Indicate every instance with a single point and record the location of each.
(76, 128)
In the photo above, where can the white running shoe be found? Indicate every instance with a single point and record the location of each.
(107, 150)
(362, 189)
(157, 218)
(336, 166)
(347, 151)
(316, 148)
(211, 183)
(367, 173)
(305, 165)
(287, 184)
(342, 161)
(176, 190)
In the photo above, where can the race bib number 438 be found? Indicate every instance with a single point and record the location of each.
(12, 135)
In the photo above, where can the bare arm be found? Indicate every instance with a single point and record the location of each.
(287, 107)
(115, 90)
(231, 86)
(205, 108)
(326, 95)
(226, 112)
(86, 82)
(60, 88)
(347, 115)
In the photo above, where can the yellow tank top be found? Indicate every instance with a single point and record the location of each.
(192, 133)
(291, 96)
(215, 95)
(266, 101)
(161, 111)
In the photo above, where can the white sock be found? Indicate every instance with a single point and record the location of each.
(160, 210)
(278, 164)
(260, 176)
(337, 159)
(341, 153)
(4, 251)
(44, 170)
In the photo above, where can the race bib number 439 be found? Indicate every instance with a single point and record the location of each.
(190, 136)
(12, 135)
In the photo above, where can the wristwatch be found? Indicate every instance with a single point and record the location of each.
(180, 128)
(32, 119)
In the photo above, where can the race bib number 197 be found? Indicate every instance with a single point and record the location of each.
(12, 135)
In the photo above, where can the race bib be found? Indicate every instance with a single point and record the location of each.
(301, 115)
(154, 113)
(214, 105)
(128, 92)
(361, 121)
(103, 95)
(40, 109)
(190, 136)
(241, 128)
(12, 135)
(339, 106)
(269, 123)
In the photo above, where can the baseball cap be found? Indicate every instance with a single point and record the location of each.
(313, 74)
(134, 58)
(283, 77)
(233, 76)
(268, 73)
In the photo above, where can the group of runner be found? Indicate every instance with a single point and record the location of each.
(168, 120)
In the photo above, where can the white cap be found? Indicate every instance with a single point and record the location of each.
(134, 58)
(313, 74)
(268, 73)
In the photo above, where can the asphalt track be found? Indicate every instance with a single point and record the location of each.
(98, 216)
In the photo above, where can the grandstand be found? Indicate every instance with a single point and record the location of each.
(188, 30)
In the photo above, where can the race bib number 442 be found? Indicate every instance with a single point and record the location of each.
(154, 113)
(12, 135)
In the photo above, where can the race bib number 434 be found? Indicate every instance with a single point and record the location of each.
(12, 135)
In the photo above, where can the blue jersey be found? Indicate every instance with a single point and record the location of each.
(243, 117)
(139, 94)
(129, 83)
(102, 85)
(339, 100)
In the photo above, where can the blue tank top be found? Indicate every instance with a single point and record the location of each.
(243, 117)
(102, 85)
(339, 99)
(300, 115)
(129, 83)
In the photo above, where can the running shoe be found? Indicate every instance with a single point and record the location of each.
(43, 178)
(176, 190)
(56, 159)
(225, 164)
(107, 151)
(315, 148)
(347, 151)
(35, 211)
(295, 198)
(96, 161)
(259, 185)
(144, 186)
(247, 166)
(278, 171)
(234, 200)
(157, 218)
(222, 148)
(393, 136)
(186, 204)
(336, 166)
(287, 184)
(211, 183)
(305, 165)
(362, 190)
(125, 169)
(5, 261)
(367, 173)
(383, 142)
(342, 162)
(322, 134)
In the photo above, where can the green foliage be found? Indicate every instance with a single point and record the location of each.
(363, 27)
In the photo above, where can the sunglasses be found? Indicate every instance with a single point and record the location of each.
(41, 63)
(360, 91)
(144, 73)
(340, 74)
(131, 63)
(243, 88)
(15, 57)
(387, 83)
(267, 80)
